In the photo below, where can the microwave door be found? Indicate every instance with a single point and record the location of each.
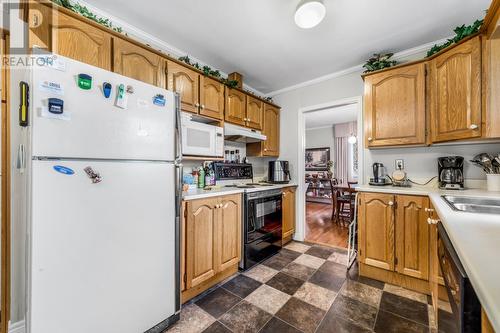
(198, 140)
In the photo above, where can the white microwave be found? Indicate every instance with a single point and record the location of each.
(199, 139)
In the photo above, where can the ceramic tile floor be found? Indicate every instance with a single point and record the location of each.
(306, 288)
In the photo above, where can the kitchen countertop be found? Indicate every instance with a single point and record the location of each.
(218, 191)
(475, 238)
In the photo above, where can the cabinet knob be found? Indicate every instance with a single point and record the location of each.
(197, 105)
(390, 203)
(203, 106)
(432, 221)
(429, 210)
(265, 149)
(473, 127)
(370, 139)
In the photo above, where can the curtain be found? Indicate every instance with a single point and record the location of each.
(341, 160)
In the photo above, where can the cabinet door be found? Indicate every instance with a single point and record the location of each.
(435, 275)
(376, 230)
(211, 98)
(229, 231)
(288, 208)
(184, 81)
(395, 107)
(254, 113)
(456, 93)
(235, 110)
(138, 63)
(201, 241)
(77, 40)
(412, 236)
(271, 130)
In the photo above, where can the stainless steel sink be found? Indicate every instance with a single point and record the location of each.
(473, 205)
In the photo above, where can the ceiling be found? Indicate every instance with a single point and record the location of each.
(259, 39)
(331, 116)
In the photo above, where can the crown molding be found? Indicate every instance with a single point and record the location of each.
(152, 41)
(354, 69)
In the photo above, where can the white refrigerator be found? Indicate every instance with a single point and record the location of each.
(103, 200)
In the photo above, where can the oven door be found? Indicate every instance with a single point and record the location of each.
(264, 217)
(198, 139)
(263, 229)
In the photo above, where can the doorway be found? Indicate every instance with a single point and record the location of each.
(331, 168)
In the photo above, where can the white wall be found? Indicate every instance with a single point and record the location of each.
(321, 138)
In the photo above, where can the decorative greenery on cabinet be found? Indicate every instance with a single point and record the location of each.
(379, 61)
(461, 32)
(85, 12)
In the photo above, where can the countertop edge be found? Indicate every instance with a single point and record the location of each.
(201, 194)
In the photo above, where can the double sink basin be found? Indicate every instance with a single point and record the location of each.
(473, 205)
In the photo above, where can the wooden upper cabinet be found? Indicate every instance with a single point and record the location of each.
(376, 230)
(491, 87)
(185, 82)
(211, 98)
(412, 236)
(235, 110)
(288, 197)
(138, 63)
(254, 113)
(77, 40)
(394, 107)
(271, 130)
(229, 231)
(455, 92)
(201, 241)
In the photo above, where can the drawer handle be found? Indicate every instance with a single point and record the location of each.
(473, 127)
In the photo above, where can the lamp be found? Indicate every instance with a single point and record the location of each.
(309, 13)
(352, 139)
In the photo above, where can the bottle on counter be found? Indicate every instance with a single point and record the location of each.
(212, 177)
(195, 177)
(227, 156)
(237, 156)
(232, 157)
(201, 177)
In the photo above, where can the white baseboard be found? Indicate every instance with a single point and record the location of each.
(17, 327)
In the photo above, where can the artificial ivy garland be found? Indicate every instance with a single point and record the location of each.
(378, 62)
(461, 32)
(208, 71)
(85, 12)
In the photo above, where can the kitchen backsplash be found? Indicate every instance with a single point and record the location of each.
(421, 163)
(260, 164)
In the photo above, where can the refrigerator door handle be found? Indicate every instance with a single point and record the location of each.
(178, 231)
(21, 158)
(178, 127)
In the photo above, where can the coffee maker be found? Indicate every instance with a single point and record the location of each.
(379, 175)
(451, 172)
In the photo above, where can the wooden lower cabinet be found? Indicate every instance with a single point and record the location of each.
(394, 239)
(288, 208)
(211, 242)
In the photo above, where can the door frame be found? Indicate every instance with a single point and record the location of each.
(5, 190)
(301, 151)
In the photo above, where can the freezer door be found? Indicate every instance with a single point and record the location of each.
(102, 254)
(93, 126)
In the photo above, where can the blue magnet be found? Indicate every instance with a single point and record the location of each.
(159, 100)
(56, 105)
(106, 89)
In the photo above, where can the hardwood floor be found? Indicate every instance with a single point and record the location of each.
(320, 228)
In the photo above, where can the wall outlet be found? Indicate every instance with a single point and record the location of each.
(399, 164)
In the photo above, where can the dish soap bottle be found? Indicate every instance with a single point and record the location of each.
(201, 177)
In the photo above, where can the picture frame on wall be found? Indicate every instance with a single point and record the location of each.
(317, 159)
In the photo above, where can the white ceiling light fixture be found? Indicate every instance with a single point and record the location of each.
(309, 13)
